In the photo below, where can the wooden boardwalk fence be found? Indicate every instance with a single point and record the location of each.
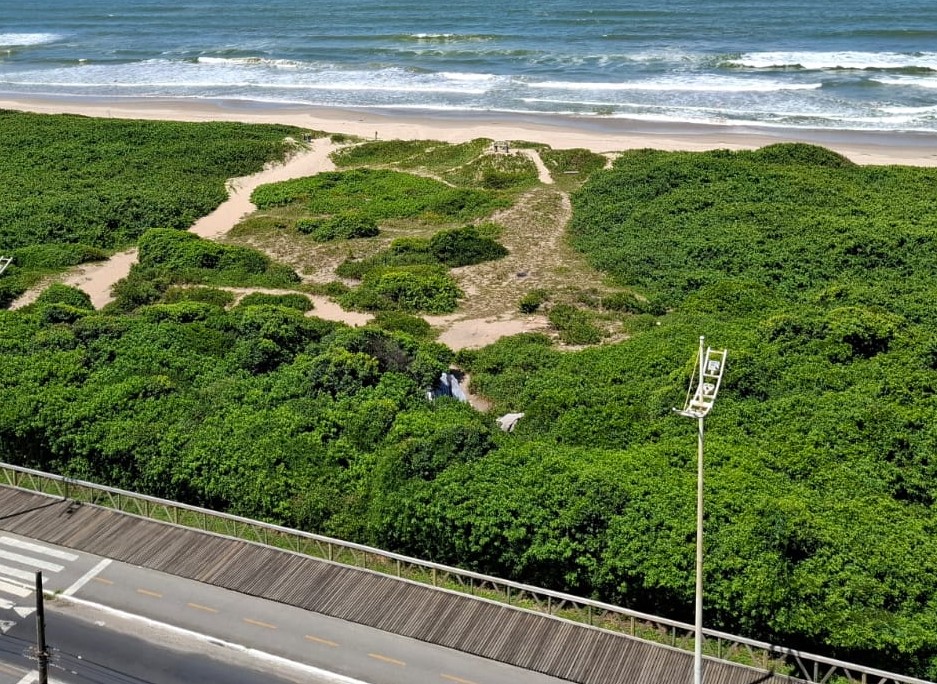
(558, 634)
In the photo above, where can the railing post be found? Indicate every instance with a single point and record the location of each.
(434, 577)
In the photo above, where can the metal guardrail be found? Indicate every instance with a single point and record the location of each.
(798, 664)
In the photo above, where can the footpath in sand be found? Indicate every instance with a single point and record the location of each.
(97, 279)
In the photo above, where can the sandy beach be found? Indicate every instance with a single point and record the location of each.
(599, 134)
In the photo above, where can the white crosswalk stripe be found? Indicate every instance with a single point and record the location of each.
(7, 571)
(31, 562)
(15, 589)
(17, 580)
(36, 548)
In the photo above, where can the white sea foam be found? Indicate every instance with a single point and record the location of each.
(252, 61)
(836, 60)
(12, 40)
(215, 73)
(908, 81)
(691, 84)
(458, 76)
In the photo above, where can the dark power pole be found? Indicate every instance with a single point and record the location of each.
(41, 651)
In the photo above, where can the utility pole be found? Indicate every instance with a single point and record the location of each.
(41, 652)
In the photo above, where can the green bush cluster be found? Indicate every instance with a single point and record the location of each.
(293, 300)
(576, 161)
(821, 501)
(425, 289)
(59, 293)
(168, 257)
(205, 295)
(457, 247)
(343, 226)
(465, 246)
(55, 256)
(397, 321)
(533, 300)
(75, 187)
(379, 195)
(574, 325)
(628, 302)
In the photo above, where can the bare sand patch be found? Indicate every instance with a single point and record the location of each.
(475, 333)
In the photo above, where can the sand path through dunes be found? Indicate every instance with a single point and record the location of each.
(97, 279)
(542, 170)
(238, 205)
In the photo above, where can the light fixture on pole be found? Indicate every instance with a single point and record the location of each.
(699, 402)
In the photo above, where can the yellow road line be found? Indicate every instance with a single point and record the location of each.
(198, 606)
(147, 592)
(259, 623)
(392, 661)
(318, 640)
(457, 680)
(102, 580)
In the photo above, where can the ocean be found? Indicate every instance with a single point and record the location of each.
(852, 64)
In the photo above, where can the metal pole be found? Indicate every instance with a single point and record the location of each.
(43, 654)
(698, 645)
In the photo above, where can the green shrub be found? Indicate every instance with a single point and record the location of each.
(379, 195)
(532, 301)
(343, 226)
(292, 300)
(426, 289)
(577, 161)
(184, 257)
(409, 245)
(206, 295)
(573, 325)
(397, 321)
(177, 250)
(627, 302)
(358, 268)
(64, 294)
(464, 247)
(56, 256)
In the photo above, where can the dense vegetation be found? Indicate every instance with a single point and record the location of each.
(469, 164)
(74, 187)
(378, 195)
(822, 450)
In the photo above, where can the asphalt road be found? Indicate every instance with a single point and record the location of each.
(215, 627)
(85, 653)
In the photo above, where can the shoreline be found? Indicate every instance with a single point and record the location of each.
(598, 134)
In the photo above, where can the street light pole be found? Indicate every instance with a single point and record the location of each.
(698, 404)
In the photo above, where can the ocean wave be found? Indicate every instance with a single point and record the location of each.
(214, 73)
(697, 84)
(251, 61)
(908, 81)
(845, 60)
(445, 37)
(14, 40)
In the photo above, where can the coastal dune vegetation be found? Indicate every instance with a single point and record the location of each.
(817, 274)
(76, 188)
